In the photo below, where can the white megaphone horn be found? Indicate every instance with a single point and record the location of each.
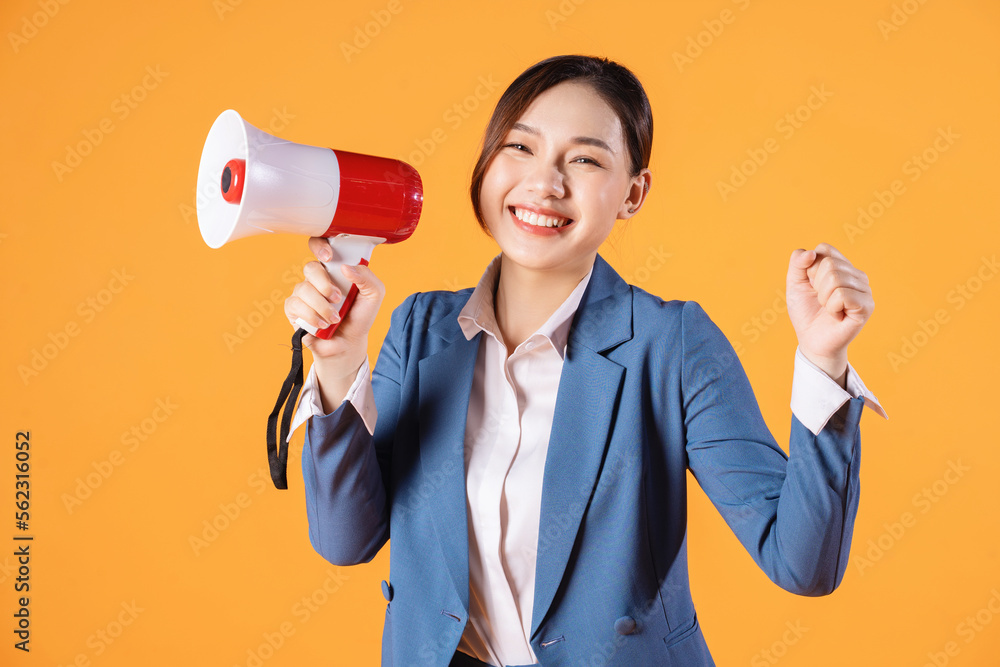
(250, 182)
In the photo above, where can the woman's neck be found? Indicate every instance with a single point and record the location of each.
(526, 298)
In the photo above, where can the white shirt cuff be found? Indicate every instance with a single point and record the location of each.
(360, 395)
(816, 396)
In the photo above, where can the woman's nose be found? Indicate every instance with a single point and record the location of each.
(547, 180)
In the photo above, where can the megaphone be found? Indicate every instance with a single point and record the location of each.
(250, 182)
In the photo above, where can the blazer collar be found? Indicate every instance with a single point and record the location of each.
(479, 313)
(603, 319)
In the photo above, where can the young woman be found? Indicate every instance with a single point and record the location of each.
(524, 443)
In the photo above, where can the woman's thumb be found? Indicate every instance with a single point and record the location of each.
(798, 267)
(355, 274)
(362, 276)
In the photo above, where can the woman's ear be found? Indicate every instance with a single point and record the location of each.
(638, 189)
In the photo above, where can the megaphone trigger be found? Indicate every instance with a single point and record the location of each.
(345, 305)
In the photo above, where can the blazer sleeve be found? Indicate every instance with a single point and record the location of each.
(794, 514)
(345, 469)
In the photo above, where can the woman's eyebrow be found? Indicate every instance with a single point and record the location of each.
(589, 141)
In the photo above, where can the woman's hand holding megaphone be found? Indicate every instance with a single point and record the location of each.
(337, 359)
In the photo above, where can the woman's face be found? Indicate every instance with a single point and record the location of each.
(553, 192)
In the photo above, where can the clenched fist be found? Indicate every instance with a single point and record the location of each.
(829, 301)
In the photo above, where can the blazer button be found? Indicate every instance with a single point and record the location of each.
(625, 625)
(387, 591)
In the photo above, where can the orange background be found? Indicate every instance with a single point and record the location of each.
(111, 349)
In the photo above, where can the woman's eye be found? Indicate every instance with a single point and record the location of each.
(580, 160)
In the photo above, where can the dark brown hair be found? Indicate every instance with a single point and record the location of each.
(615, 84)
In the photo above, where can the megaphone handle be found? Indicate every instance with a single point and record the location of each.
(347, 249)
(345, 303)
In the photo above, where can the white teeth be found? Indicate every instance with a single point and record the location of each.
(533, 218)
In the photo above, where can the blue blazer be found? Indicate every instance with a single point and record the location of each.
(649, 389)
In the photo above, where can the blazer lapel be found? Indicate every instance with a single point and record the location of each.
(445, 382)
(589, 391)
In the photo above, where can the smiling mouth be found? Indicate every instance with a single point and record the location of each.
(537, 220)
